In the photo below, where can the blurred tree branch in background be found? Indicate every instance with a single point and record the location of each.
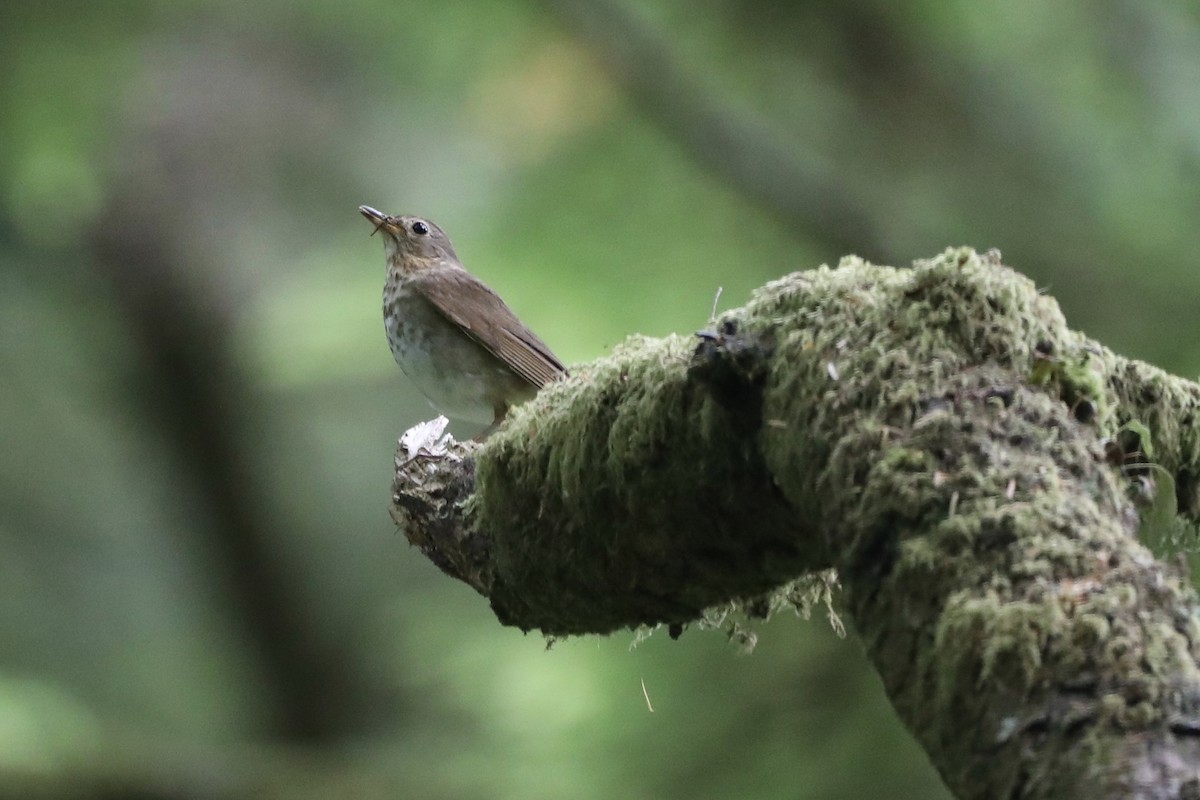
(156, 245)
(195, 395)
(779, 174)
(913, 97)
(937, 435)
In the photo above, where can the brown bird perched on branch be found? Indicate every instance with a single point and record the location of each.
(451, 334)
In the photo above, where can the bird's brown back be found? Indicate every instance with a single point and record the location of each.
(471, 305)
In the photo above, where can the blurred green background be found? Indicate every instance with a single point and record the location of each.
(201, 594)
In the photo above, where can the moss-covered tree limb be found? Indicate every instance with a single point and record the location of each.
(937, 435)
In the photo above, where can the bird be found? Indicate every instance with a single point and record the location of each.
(454, 337)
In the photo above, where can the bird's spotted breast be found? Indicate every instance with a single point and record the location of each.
(458, 376)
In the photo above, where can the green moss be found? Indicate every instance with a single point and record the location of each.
(1078, 378)
(872, 340)
(985, 640)
(586, 453)
(624, 401)
(983, 541)
(898, 434)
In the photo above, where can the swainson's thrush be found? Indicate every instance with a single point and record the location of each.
(452, 335)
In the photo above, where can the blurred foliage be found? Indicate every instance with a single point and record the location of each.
(188, 172)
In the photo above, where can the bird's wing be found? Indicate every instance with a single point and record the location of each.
(471, 305)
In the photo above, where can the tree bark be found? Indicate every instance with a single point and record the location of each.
(936, 434)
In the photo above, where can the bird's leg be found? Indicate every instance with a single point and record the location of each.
(500, 412)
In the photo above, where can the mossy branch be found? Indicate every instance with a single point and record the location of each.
(937, 435)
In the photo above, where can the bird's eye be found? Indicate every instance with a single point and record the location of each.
(420, 228)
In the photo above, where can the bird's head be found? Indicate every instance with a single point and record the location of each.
(411, 242)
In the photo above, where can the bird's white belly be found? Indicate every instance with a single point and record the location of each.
(458, 376)
(455, 392)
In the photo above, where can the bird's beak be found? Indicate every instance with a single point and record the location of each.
(377, 218)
